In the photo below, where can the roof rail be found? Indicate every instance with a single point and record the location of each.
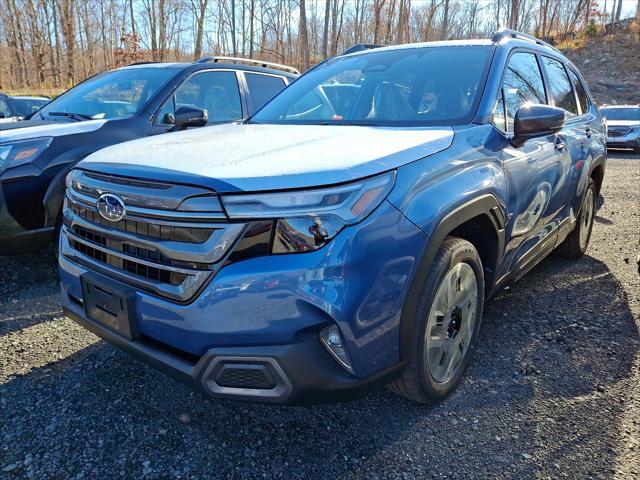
(360, 47)
(249, 61)
(508, 33)
(139, 63)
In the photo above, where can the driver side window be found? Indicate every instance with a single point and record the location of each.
(522, 84)
(215, 92)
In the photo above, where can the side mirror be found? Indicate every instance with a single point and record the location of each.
(533, 121)
(190, 117)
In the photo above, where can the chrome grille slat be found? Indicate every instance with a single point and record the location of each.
(182, 292)
(135, 194)
(186, 233)
(154, 213)
(124, 256)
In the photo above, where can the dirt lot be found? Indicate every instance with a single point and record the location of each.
(553, 391)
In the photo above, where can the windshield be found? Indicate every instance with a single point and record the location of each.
(401, 87)
(26, 106)
(621, 113)
(116, 94)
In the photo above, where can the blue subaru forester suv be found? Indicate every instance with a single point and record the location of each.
(347, 234)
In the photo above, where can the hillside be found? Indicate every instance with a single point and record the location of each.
(609, 62)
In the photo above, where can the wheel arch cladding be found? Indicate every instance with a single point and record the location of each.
(468, 221)
(597, 174)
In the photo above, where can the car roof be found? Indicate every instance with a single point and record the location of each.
(29, 97)
(194, 66)
(503, 38)
(619, 106)
(408, 46)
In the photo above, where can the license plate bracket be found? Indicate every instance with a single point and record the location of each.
(110, 304)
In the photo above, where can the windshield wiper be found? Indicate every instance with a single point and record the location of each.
(75, 116)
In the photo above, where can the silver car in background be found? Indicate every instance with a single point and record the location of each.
(623, 126)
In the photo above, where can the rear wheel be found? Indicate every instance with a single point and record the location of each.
(448, 320)
(576, 243)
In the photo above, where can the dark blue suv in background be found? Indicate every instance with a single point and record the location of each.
(124, 104)
(348, 233)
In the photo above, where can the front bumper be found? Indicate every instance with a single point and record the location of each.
(298, 373)
(273, 307)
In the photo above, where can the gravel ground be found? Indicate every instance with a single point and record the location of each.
(553, 390)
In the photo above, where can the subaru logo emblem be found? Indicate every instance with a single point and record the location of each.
(111, 207)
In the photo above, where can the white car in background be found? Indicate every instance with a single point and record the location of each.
(14, 108)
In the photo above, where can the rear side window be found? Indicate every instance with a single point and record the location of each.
(582, 95)
(522, 84)
(561, 89)
(262, 88)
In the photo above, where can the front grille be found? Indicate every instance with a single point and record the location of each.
(135, 268)
(147, 229)
(618, 132)
(245, 376)
(131, 250)
(167, 252)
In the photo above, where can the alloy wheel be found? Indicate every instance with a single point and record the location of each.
(451, 322)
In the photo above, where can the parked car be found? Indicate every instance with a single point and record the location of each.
(335, 241)
(14, 108)
(623, 126)
(136, 101)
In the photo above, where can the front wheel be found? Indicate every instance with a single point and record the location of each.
(448, 320)
(576, 243)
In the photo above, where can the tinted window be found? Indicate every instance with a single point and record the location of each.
(522, 84)
(215, 92)
(582, 95)
(116, 94)
(4, 109)
(561, 89)
(26, 106)
(262, 88)
(403, 86)
(611, 113)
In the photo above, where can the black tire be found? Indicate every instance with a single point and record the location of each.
(417, 382)
(577, 242)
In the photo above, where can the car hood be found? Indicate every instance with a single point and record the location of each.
(257, 157)
(38, 128)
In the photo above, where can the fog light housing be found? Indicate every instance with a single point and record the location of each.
(334, 343)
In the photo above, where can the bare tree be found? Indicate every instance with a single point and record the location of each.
(304, 40)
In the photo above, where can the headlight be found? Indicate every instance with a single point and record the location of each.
(306, 220)
(21, 152)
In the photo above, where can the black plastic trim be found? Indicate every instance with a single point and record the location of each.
(307, 373)
(486, 205)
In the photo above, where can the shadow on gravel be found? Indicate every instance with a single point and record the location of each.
(571, 334)
(551, 351)
(28, 290)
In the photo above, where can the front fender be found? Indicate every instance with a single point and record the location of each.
(444, 191)
(427, 190)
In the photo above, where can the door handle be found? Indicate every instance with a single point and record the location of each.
(559, 145)
(588, 132)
